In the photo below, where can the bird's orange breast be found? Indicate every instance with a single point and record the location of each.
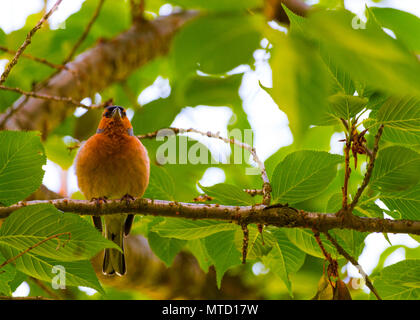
(112, 166)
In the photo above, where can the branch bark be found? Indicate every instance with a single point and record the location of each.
(107, 62)
(276, 216)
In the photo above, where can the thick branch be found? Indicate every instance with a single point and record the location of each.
(106, 63)
(276, 216)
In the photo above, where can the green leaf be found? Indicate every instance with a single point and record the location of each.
(223, 253)
(401, 117)
(199, 250)
(161, 185)
(145, 119)
(58, 152)
(352, 241)
(165, 248)
(406, 203)
(7, 274)
(228, 194)
(178, 153)
(31, 225)
(284, 259)
(212, 90)
(21, 160)
(342, 106)
(319, 136)
(296, 22)
(400, 281)
(256, 249)
(303, 175)
(17, 280)
(365, 206)
(304, 239)
(342, 81)
(230, 41)
(300, 81)
(369, 55)
(334, 203)
(396, 168)
(77, 273)
(406, 26)
(186, 229)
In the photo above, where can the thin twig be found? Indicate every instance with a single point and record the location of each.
(369, 169)
(266, 183)
(353, 262)
(27, 42)
(86, 32)
(266, 188)
(347, 171)
(332, 269)
(33, 247)
(40, 60)
(321, 246)
(55, 98)
(245, 242)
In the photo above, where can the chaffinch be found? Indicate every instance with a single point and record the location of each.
(113, 164)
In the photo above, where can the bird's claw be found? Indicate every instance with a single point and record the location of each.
(128, 198)
(99, 201)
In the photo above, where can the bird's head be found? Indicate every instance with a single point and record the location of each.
(114, 121)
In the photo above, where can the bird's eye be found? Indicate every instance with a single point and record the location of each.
(108, 114)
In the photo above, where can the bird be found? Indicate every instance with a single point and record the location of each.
(113, 164)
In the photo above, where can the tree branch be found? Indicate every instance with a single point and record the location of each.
(369, 169)
(266, 191)
(40, 60)
(108, 62)
(55, 236)
(86, 32)
(354, 262)
(276, 216)
(27, 41)
(67, 100)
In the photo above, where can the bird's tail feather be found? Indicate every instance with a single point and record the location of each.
(114, 260)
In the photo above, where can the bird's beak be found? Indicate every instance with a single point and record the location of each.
(116, 114)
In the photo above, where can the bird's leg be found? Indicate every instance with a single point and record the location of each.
(130, 218)
(97, 221)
